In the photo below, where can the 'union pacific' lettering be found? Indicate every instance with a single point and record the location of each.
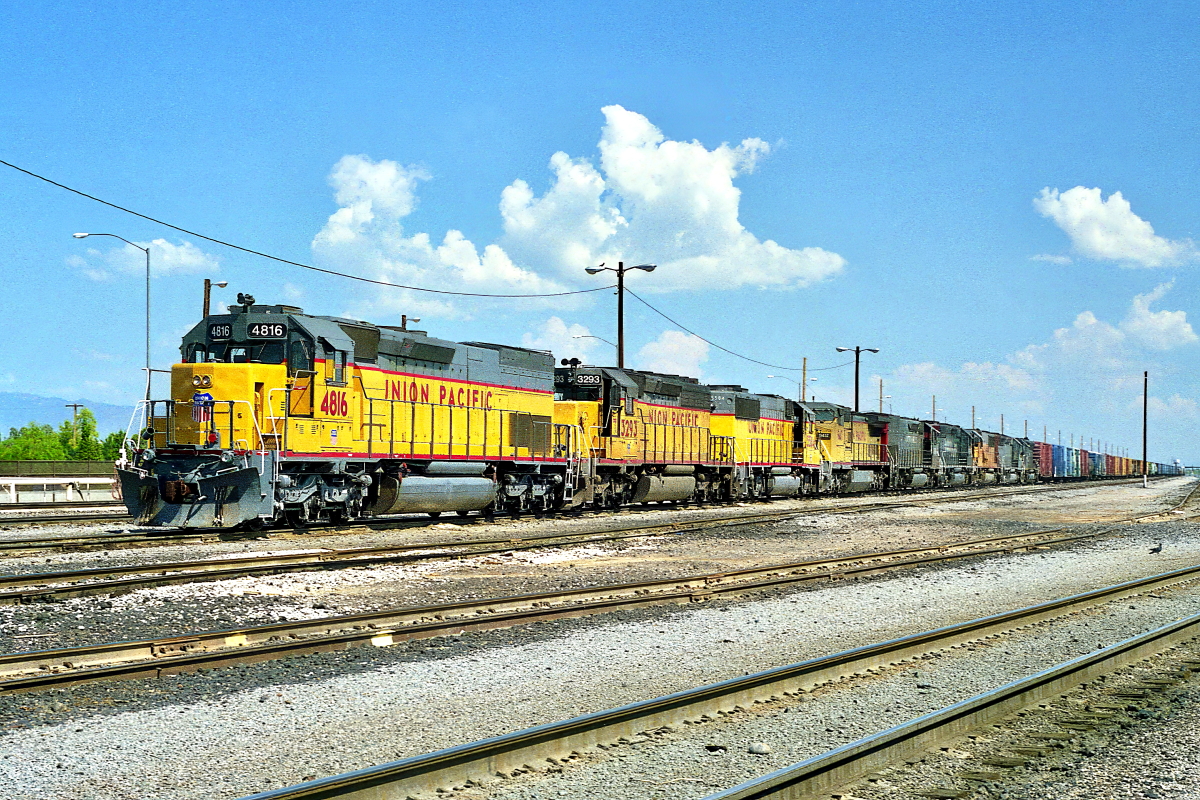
(769, 427)
(413, 391)
(675, 416)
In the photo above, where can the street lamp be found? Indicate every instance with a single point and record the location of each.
(145, 250)
(589, 336)
(208, 290)
(858, 351)
(793, 380)
(620, 269)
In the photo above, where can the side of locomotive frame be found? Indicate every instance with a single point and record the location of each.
(279, 416)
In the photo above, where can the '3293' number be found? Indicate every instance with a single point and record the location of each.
(335, 404)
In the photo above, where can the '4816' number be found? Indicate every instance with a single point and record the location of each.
(335, 404)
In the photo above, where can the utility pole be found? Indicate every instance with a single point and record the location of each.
(881, 395)
(804, 379)
(621, 269)
(1145, 419)
(1026, 429)
(972, 417)
(208, 293)
(74, 422)
(935, 408)
(858, 351)
(1001, 424)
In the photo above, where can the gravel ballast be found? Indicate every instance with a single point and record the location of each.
(318, 724)
(174, 610)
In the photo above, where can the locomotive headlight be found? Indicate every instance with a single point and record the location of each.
(197, 381)
(206, 381)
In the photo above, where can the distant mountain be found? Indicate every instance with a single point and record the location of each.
(18, 409)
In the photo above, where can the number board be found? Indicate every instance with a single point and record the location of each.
(266, 330)
(220, 330)
(588, 380)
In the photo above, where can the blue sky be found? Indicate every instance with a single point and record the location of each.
(1002, 200)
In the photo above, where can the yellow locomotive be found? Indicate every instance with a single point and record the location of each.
(280, 416)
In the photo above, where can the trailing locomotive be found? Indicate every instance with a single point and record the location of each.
(277, 416)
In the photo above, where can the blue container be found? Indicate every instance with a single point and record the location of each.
(1060, 460)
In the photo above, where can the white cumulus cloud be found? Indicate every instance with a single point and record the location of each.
(674, 353)
(365, 236)
(1108, 229)
(654, 199)
(646, 199)
(566, 341)
(1157, 330)
(166, 258)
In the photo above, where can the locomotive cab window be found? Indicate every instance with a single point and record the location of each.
(197, 354)
(335, 365)
(300, 357)
(271, 353)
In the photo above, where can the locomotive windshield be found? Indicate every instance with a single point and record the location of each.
(237, 353)
(255, 342)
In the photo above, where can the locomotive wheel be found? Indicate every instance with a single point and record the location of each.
(434, 514)
(462, 514)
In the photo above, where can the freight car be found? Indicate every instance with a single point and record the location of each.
(277, 416)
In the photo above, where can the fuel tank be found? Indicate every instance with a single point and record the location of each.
(434, 493)
(859, 480)
(786, 486)
(652, 488)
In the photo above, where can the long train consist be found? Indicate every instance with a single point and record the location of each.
(277, 416)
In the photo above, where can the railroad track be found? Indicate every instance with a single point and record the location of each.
(62, 585)
(50, 519)
(157, 537)
(512, 753)
(31, 506)
(825, 774)
(185, 653)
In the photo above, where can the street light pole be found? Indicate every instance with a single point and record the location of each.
(145, 250)
(589, 336)
(208, 291)
(858, 351)
(1145, 418)
(620, 269)
(799, 386)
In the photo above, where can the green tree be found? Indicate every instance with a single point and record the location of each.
(110, 448)
(33, 442)
(87, 442)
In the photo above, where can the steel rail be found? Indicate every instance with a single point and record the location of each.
(14, 521)
(31, 587)
(482, 760)
(61, 504)
(154, 657)
(822, 775)
(154, 538)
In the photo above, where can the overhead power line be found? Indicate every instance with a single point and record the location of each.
(725, 349)
(284, 260)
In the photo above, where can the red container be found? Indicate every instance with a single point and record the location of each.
(1045, 459)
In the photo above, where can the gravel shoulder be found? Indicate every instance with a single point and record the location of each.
(170, 610)
(284, 721)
